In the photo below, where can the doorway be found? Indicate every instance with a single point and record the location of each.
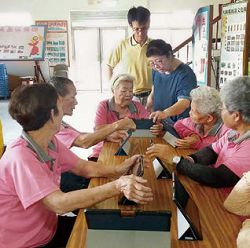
(92, 46)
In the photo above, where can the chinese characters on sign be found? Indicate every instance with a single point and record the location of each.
(22, 43)
(56, 42)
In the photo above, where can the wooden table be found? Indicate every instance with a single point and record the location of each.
(219, 227)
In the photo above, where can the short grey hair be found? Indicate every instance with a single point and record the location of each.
(116, 79)
(207, 100)
(235, 95)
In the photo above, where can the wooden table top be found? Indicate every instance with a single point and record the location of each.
(219, 227)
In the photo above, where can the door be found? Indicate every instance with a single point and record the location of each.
(91, 48)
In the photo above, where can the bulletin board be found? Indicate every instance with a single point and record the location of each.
(57, 49)
(234, 41)
(22, 43)
(202, 44)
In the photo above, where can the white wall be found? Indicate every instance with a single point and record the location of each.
(59, 9)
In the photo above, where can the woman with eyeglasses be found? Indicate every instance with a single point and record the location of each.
(223, 163)
(120, 106)
(172, 83)
(30, 169)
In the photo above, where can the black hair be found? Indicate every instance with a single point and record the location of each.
(139, 14)
(61, 85)
(31, 105)
(159, 48)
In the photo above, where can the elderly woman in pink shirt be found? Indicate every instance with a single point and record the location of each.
(118, 107)
(204, 126)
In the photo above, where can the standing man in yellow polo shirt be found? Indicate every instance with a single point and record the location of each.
(130, 54)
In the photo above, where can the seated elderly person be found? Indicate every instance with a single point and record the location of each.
(223, 163)
(118, 107)
(69, 136)
(204, 126)
(30, 171)
(238, 202)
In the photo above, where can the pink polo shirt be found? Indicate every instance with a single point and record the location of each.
(186, 127)
(25, 180)
(67, 135)
(233, 153)
(106, 114)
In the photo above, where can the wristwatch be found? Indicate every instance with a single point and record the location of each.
(176, 160)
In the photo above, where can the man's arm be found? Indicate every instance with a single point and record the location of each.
(109, 71)
(176, 109)
(86, 140)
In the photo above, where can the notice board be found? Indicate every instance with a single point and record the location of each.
(22, 43)
(235, 43)
(57, 50)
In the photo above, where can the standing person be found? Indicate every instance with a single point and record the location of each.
(172, 83)
(71, 137)
(30, 169)
(130, 54)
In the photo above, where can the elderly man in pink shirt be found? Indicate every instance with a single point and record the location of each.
(30, 170)
(223, 163)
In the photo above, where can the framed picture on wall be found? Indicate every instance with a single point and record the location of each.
(57, 48)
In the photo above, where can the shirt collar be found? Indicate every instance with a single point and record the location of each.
(111, 105)
(214, 130)
(134, 43)
(42, 156)
(233, 136)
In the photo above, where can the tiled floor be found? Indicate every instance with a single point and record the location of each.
(82, 119)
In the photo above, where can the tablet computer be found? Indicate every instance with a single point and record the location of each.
(123, 149)
(112, 219)
(143, 123)
(187, 213)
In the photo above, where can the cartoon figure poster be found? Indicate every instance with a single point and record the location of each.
(200, 42)
(22, 43)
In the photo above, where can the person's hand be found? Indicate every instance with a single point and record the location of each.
(134, 189)
(126, 123)
(157, 150)
(158, 116)
(128, 164)
(187, 142)
(118, 136)
(157, 129)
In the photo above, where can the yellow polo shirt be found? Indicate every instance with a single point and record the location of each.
(1, 139)
(130, 57)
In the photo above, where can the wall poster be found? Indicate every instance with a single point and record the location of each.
(233, 34)
(57, 51)
(201, 44)
(22, 43)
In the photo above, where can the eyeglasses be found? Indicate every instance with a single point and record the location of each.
(140, 30)
(154, 63)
